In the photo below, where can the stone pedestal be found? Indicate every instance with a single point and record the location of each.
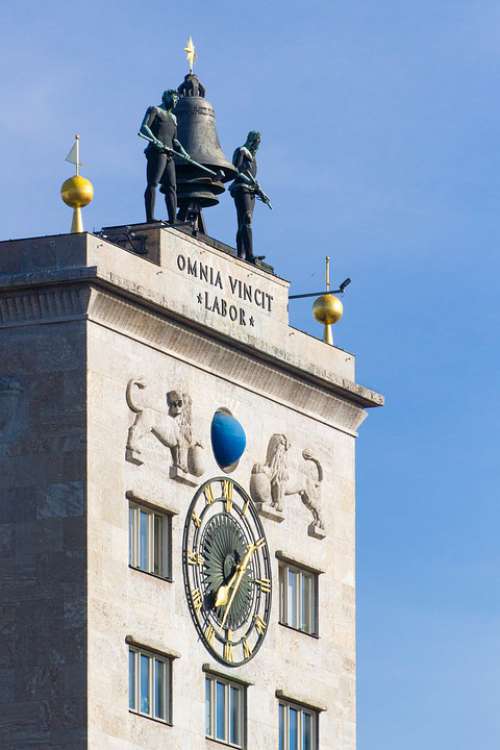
(267, 511)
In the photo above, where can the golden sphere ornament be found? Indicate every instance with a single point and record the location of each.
(328, 309)
(77, 191)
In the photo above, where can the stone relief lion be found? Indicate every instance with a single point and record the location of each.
(271, 482)
(307, 484)
(173, 428)
(267, 483)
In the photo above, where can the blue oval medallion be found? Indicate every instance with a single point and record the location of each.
(228, 439)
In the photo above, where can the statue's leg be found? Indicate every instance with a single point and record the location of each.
(247, 236)
(274, 493)
(155, 169)
(240, 213)
(169, 187)
(175, 455)
(149, 201)
(277, 495)
(183, 456)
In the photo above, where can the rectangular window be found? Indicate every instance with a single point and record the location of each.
(131, 680)
(298, 598)
(225, 711)
(149, 684)
(149, 541)
(298, 727)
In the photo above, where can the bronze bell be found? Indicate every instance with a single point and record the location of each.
(197, 132)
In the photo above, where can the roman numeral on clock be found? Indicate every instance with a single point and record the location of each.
(228, 647)
(260, 625)
(227, 491)
(210, 634)
(194, 558)
(264, 584)
(209, 494)
(247, 648)
(197, 599)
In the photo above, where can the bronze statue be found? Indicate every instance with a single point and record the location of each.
(159, 127)
(244, 190)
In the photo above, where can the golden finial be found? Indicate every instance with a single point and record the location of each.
(328, 309)
(190, 51)
(77, 191)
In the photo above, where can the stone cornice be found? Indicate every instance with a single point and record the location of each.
(357, 394)
(225, 360)
(81, 293)
(29, 306)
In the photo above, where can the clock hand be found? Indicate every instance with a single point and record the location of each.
(241, 568)
(222, 596)
(223, 591)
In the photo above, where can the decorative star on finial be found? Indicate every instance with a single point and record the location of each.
(190, 51)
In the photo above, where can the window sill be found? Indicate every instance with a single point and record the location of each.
(153, 575)
(151, 718)
(217, 743)
(296, 630)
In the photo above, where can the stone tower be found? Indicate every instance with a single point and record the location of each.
(146, 601)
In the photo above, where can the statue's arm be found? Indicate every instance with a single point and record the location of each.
(179, 147)
(145, 129)
(238, 159)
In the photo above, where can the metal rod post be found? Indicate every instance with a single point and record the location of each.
(77, 165)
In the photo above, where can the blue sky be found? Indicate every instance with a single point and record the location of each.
(380, 123)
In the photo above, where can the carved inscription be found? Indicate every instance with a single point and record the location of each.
(227, 292)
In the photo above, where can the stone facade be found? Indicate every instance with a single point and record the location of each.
(43, 580)
(81, 318)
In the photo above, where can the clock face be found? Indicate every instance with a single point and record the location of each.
(227, 571)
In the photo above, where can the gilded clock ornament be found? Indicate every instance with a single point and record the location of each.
(227, 571)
